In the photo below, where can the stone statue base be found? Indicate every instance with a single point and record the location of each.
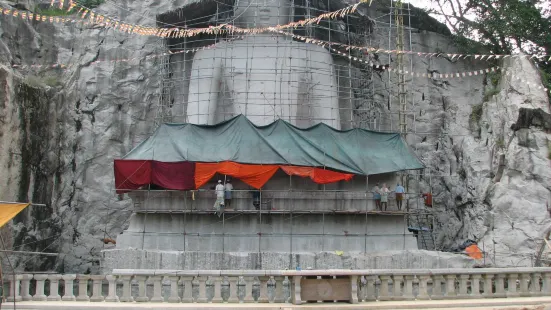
(178, 260)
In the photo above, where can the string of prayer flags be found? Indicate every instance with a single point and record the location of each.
(88, 16)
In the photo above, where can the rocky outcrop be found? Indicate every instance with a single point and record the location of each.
(61, 131)
(528, 118)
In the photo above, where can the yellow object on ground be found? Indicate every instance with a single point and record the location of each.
(9, 211)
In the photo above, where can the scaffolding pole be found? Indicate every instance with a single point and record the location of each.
(399, 20)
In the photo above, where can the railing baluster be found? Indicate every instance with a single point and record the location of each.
(423, 287)
(202, 298)
(524, 278)
(83, 287)
(370, 294)
(217, 298)
(271, 291)
(142, 296)
(287, 289)
(263, 281)
(475, 285)
(174, 298)
(97, 282)
(488, 287)
(353, 298)
(383, 291)
(546, 291)
(500, 285)
(157, 289)
(14, 288)
(535, 288)
(463, 281)
(112, 297)
(408, 287)
(279, 296)
(39, 292)
(249, 289)
(188, 289)
(68, 294)
(233, 298)
(397, 287)
(126, 289)
(437, 287)
(512, 285)
(296, 290)
(54, 287)
(25, 287)
(361, 288)
(450, 286)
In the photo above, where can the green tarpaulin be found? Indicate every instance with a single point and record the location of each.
(357, 151)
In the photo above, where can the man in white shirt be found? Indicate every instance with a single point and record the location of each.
(219, 203)
(400, 191)
(228, 194)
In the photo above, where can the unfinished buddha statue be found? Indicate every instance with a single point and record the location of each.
(265, 77)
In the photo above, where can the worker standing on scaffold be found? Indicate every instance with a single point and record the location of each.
(399, 191)
(377, 196)
(219, 203)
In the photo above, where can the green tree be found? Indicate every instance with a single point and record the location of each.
(503, 26)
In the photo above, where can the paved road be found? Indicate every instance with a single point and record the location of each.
(527, 303)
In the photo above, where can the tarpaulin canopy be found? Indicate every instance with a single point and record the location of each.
(9, 211)
(186, 156)
(356, 151)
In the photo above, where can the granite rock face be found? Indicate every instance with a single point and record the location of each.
(61, 130)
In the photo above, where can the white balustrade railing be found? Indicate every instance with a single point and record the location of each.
(282, 286)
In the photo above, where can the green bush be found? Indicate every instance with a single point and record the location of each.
(51, 81)
(500, 143)
(90, 3)
(494, 78)
(489, 93)
(56, 11)
(37, 81)
(53, 12)
(33, 81)
(476, 113)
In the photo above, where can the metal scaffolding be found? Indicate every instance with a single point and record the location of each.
(217, 59)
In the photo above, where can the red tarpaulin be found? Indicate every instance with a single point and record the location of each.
(133, 174)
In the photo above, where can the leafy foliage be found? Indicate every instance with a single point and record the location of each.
(91, 3)
(53, 12)
(489, 93)
(476, 113)
(56, 11)
(502, 26)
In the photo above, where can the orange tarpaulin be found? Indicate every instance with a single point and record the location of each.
(257, 175)
(10, 210)
(474, 251)
(318, 175)
(254, 175)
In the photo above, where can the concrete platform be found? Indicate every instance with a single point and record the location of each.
(539, 303)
